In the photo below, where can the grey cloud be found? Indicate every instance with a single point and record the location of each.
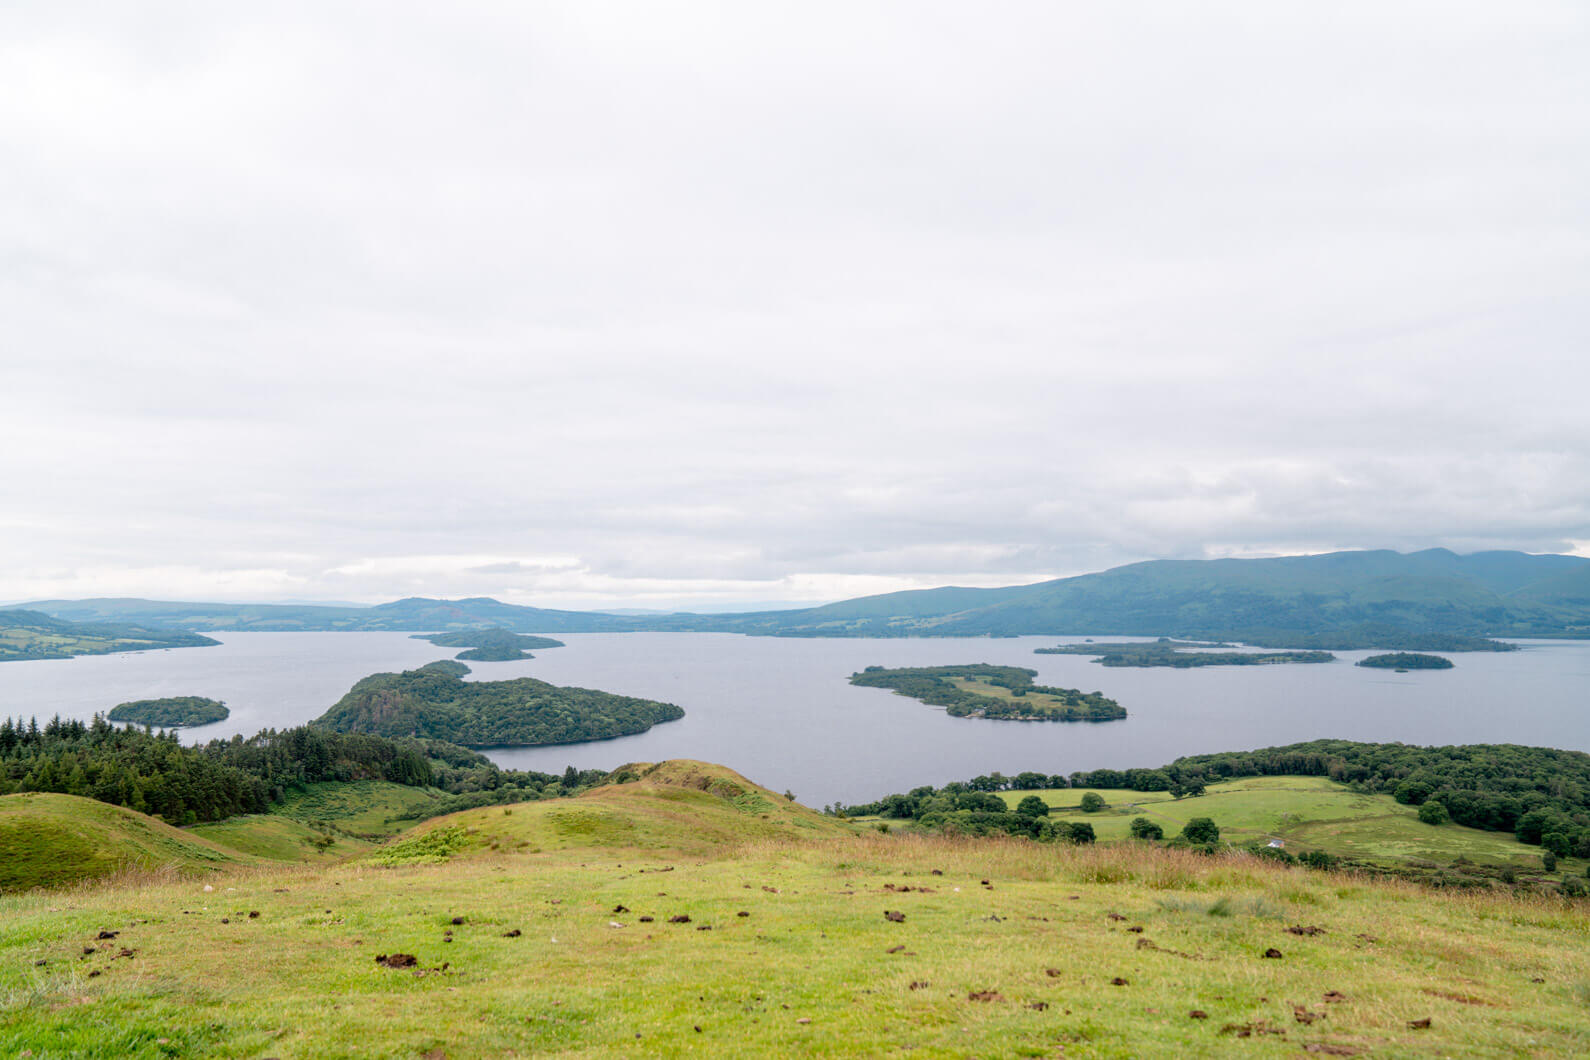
(763, 300)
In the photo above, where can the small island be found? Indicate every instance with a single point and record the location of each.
(1000, 693)
(1174, 653)
(490, 645)
(1406, 660)
(172, 712)
(432, 703)
(447, 666)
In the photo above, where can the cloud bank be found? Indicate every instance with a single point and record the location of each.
(616, 305)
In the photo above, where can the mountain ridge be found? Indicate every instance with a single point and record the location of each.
(1373, 598)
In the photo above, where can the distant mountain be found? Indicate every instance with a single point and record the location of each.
(1339, 599)
(1422, 601)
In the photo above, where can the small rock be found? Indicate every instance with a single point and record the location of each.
(1419, 1025)
(1198, 1014)
(1118, 981)
(893, 917)
(515, 933)
(1273, 953)
(456, 919)
(253, 914)
(804, 1020)
(680, 919)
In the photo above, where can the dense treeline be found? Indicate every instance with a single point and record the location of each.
(935, 686)
(1404, 660)
(1540, 794)
(1170, 653)
(144, 771)
(431, 704)
(152, 772)
(171, 712)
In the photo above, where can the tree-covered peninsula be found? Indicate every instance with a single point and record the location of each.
(435, 705)
(1406, 660)
(35, 635)
(1004, 693)
(172, 712)
(490, 645)
(1175, 654)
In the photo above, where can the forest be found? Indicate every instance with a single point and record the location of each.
(433, 704)
(171, 712)
(154, 773)
(996, 692)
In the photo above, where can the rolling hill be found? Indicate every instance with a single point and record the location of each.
(691, 911)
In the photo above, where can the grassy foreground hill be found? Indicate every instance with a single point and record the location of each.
(48, 839)
(691, 912)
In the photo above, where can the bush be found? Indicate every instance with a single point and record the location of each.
(1318, 859)
(1201, 830)
(1032, 806)
(1548, 861)
(1558, 844)
(1143, 828)
(1093, 802)
(1433, 812)
(1082, 832)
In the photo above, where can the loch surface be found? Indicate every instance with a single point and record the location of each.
(781, 711)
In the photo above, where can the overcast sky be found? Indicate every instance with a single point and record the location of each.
(602, 305)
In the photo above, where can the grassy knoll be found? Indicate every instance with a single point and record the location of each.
(527, 930)
(48, 839)
(1308, 813)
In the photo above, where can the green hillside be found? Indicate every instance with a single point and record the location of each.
(48, 839)
(35, 635)
(690, 911)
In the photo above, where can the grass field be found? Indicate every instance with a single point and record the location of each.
(277, 838)
(370, 809)
(529, 939)
(1306, 813)
(983, 687)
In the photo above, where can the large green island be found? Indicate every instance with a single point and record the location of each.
(1173, 653)
(490, 645)
(434, 704)
(1002, 693)
(172, 712)
(1405, 660)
